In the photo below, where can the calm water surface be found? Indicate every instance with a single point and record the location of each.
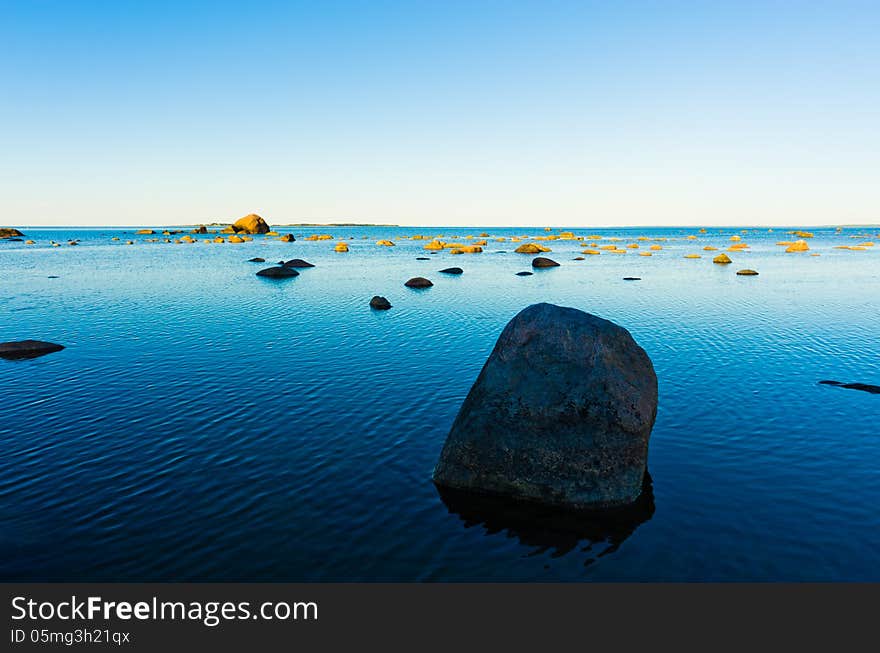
(207, 424)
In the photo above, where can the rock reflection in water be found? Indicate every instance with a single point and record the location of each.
(554, 530)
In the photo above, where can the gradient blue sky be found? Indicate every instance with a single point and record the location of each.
(445, 113)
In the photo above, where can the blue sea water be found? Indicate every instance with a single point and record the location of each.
(203, 423)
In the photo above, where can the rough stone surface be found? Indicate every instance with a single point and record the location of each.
(418, 282)
(298, 263)
(561, 414)
(380, 303)
(542, 262)
(250, 224)
(27, 349)
(452, 271)
(9, 232)
(747, 273)
(279, 272)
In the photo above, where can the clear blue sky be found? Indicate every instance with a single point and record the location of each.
(446, 113)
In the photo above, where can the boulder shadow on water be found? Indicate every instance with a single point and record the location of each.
(593, 533)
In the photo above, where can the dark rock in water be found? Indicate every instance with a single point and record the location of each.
(380, 303)
(524, 273)
(746, 273)
(579, 258)
(591, 533)
(864, 387)
(52, 276)
(27, 349)
(12, 240)
(541, 262)
(422, 258)
(452, 271)
(9, 232)
(561, 414)
(632, 278)
(298, 263)
(256, 259)
(501, 251)
(201, 229)
(279, 272)
(418, 282)
(287, 238)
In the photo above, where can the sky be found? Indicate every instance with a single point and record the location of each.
(484, 113)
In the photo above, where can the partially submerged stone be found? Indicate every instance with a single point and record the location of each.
(798, 246)
(722, 259)
(287, 238)
(747, 273)
(380, 303)
(452, 271)
(418, 282)
(561, 414)
(530, 248)
(251, 224)
(524, 273)
(27, 349)
(542, 262)
(256, 259)
(298, 263)
(279, 272)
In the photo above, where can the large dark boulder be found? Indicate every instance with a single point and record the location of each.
(9, 232)
(560, 414)
(298, 263)
(542, 262)
(280, 272)
(27, 349)
(380, 303)
(418, 282)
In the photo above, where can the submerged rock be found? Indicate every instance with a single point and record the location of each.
(287, 238)
(256, 259)
(632, 278)
(418, 282)
(747, 273)
(422, 258)
(561, 414)
(541, 262)
(9, 232)
(524, 273)
(380, 303)
(279, 272)
(864, 387)
(27, 349)
(452, 271)
(298, 263)
(722, 259)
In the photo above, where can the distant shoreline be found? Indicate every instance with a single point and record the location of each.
(447, 227)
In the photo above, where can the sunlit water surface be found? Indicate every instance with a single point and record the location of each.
(206, 424)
